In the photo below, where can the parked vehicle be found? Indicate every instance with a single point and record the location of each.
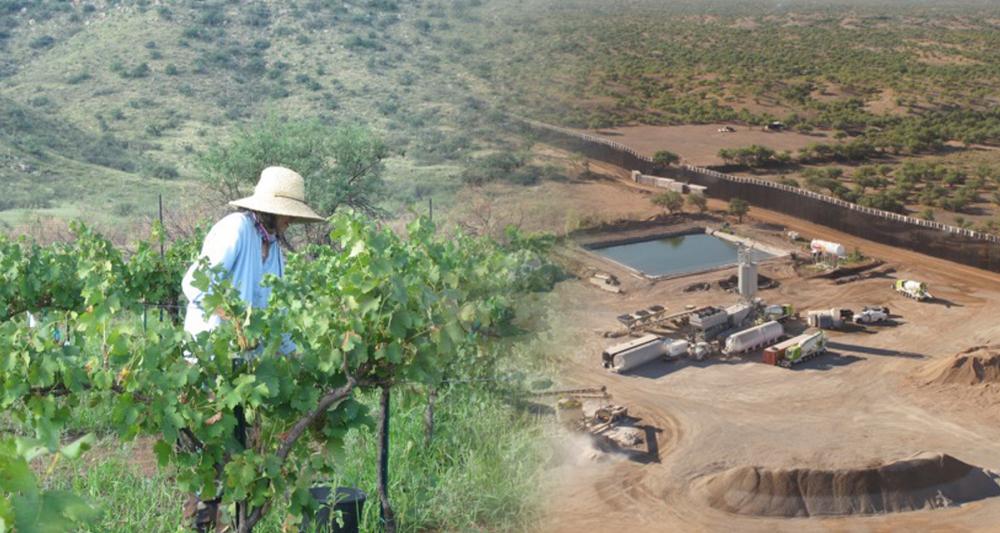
(796, 349)
(753, 338)
(912, 289)
(637, 352)
(872, 315)
(827, 248)
(829, 318)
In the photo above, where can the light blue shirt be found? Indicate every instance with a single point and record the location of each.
(234, 244)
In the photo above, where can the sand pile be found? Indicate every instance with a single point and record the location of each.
(921, 482)
(980, 364)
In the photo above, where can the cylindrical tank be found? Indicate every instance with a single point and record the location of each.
(677, 348)
(747, 283)
(761, 335)
(827, 247)
(628, 355)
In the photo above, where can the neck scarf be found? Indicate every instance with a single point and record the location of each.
(265, 235)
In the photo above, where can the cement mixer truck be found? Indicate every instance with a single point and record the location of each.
(797, 349)
(753, 338)
(912, 289)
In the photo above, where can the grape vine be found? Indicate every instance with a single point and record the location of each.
(373, 310)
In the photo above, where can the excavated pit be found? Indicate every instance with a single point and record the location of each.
(977, 365)
(925, 481)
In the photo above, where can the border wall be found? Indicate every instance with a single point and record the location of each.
(981, 250)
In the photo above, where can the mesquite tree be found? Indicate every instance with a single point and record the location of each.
(377, 309)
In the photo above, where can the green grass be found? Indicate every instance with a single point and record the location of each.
(480, 473)
(127, 499)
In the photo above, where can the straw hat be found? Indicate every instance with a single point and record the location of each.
(280, 191)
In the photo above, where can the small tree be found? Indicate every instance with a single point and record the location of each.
(698, 201)
(341, 166)
(666, 157)
(670, 200)
(738, 207)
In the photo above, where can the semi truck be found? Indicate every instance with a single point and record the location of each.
(829, 318)
(796, 349)
(637, 352)
(912, 289)
(753, 338)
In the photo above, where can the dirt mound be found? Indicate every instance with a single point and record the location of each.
(925, 481)
(980, 364)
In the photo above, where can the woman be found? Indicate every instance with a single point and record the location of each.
(246, 244)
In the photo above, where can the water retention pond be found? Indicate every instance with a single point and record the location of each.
(681, 254)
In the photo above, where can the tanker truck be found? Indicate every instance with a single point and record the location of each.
(912, 289)
(829, 318)
(797, 349)
(637, 352)
(835, 249)
(753, 338)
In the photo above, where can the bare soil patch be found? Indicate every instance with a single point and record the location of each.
(926, 481)
(833, 414)
(700, 144)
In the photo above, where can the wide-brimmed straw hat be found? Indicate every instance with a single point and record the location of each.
(280, 191)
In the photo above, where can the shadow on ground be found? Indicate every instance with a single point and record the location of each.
(873, 351)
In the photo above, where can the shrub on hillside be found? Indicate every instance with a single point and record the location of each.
(493, 167)
(78, 78)
(162, 171)
(45, 41)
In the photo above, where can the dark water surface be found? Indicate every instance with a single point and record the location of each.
(677, 255)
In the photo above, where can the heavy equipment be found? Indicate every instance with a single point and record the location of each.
(912, 289)
(796, 349)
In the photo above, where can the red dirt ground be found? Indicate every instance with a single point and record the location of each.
(700, 144)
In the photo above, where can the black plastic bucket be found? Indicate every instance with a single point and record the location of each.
(350, 502)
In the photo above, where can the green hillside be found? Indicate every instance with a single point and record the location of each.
(107, 104)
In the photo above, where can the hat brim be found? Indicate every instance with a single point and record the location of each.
(298, 211)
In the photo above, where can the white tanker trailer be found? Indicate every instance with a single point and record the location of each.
(628, 355)
(753, 338)
(827, 248)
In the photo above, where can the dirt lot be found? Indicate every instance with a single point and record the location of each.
(855, 407)
(700, 144)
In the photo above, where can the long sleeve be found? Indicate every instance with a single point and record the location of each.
(222, 247)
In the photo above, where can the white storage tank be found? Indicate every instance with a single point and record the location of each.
(676, 348)
(634, 353)
(827, 247)
(747, 275)
(755, 337)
